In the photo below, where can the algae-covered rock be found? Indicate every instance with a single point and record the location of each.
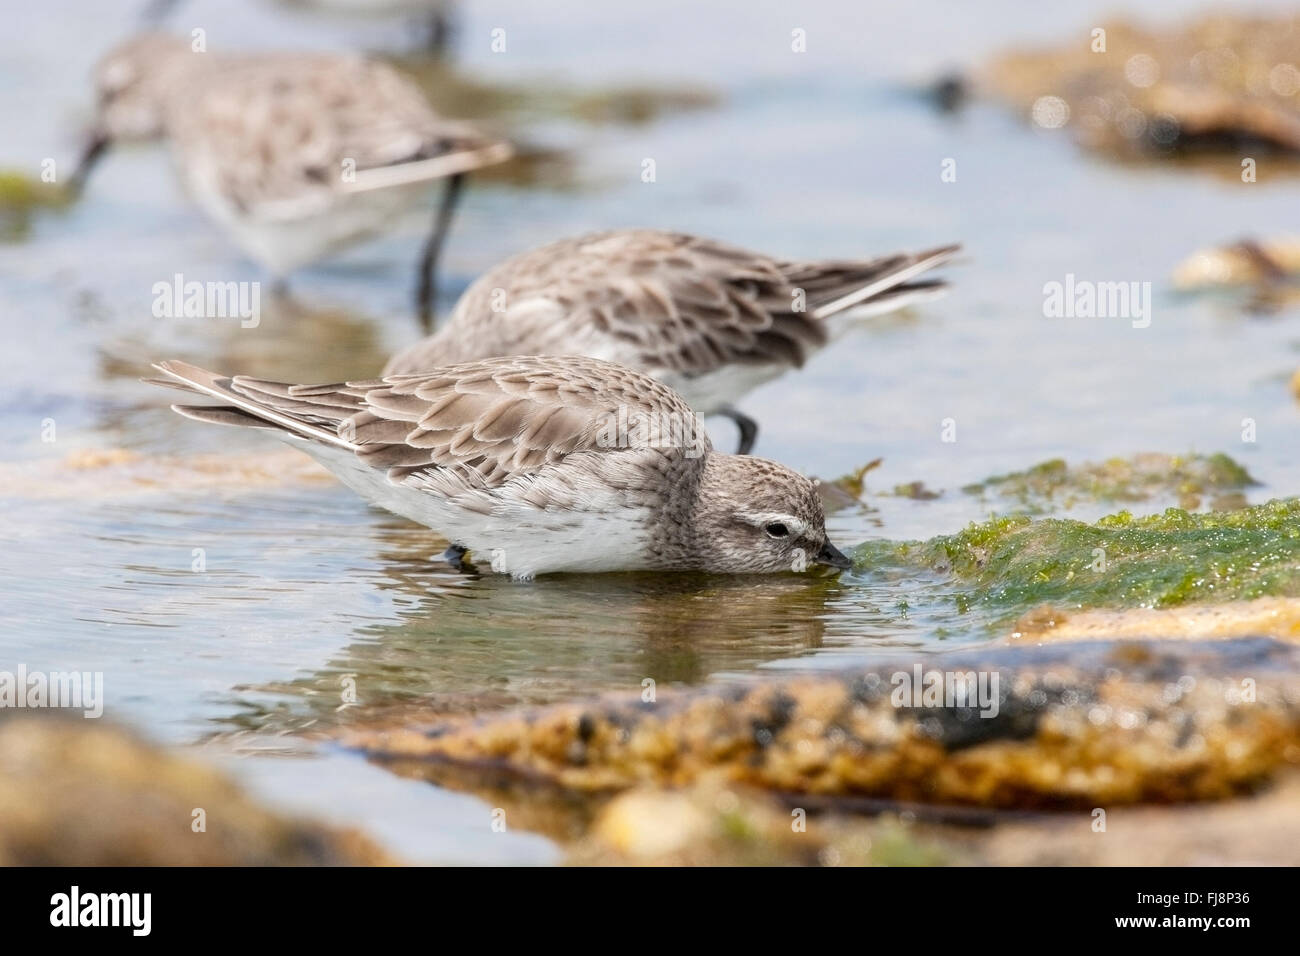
(1048, 727)
(1162, 560)
(916, 490)
(76, 793)
(710, 825)
(1054, 484)
(1226, 83)
(21, 196)
(1191, 480)
(714, 825)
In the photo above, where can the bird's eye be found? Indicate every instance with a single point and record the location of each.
(776, 530)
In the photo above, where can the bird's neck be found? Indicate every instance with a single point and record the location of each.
(708, 503)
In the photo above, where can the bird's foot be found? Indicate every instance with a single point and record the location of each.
(455, 556)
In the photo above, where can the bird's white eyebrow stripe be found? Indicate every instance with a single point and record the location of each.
(760, 518)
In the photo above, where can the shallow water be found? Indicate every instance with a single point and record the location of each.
(825, 153)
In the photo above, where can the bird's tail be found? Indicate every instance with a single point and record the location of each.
(860, 288)
(463, 158)
(312, 412)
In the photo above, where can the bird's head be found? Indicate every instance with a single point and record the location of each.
(132, 83)
(753, 515)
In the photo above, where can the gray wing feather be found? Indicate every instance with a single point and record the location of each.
(485, 422)
(665, 302)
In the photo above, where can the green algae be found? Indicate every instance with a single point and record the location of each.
(1192, 481)
(895, 844)
(1008, 565)
(855, 482)
(19, 190)
(1188, 479)
(21, 196)
(916, 490)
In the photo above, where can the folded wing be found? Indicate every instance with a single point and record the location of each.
(318, 125)
(478, 425)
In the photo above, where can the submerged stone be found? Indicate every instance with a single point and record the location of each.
(1074, 726)
(77, 793)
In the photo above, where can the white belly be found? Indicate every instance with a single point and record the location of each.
(708, 394)
(370, 7)
(515, 539)
(284, 236)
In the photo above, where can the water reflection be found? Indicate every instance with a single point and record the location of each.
(464, 643)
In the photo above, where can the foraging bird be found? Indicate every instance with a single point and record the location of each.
(711, 320)
(543, 464)
(296, 155)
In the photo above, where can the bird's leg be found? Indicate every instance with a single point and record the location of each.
(440, 31)
(455, 556)
(155, 11)
(428, 291)
(281, 300)
(748, 428)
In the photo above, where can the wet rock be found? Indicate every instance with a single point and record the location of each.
(1247, 262)
(1270, 617)
(714, 825)
(1259, 830)
(1074, 726)
(710, 825)
(1267, 270)
(77, 793)
(1222, 84)
(1188, 479)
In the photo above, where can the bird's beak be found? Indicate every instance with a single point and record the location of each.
(833, 556)
(97, 142)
